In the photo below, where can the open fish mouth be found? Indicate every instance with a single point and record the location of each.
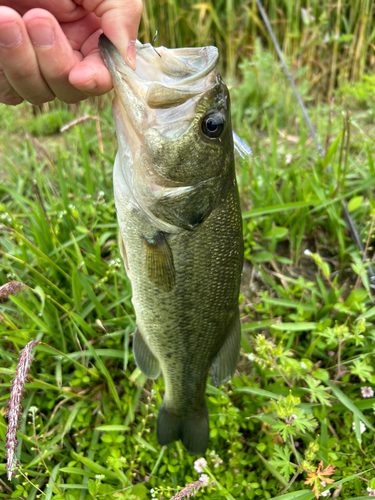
(159, 111)
(167, 77)
(164, 78)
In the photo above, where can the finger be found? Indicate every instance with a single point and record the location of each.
(77, 32)
(90, 45)
(56, 58)
(91, 76)
(18, 59)
(120, 22)
(62, 10)
(7, 93)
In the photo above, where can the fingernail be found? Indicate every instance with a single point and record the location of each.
(131, 54)
(10, 35)
(90, 86)
(41, 33)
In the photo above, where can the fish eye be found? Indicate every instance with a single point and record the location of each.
(212, 125)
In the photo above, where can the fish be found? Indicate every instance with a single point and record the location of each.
(180, 226)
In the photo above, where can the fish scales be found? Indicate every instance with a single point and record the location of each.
(206, 290)
(180, 233)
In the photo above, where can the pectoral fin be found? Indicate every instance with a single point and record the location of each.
(159, 261)
(225, 362)
(144, 358)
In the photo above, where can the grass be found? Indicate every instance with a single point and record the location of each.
(89, 415)
(332, 40)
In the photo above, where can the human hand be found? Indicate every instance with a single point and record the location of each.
(49, 48)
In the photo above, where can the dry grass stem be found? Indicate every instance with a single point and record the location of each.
(77, 121)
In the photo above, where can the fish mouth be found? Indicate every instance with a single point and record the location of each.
(164, 78)
(153, 106)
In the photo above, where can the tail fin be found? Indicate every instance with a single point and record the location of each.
(192, 429)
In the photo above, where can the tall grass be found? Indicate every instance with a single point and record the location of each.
(334, 39)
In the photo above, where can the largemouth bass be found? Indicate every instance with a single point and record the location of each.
(180, 226)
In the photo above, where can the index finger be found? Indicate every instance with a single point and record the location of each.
(119, 21)
(62, 10)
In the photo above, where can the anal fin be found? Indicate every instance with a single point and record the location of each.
(145, 360)
(159, 261)
(226, 360)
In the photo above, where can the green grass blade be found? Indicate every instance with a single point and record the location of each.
(296, 495)
(49, 349)
(257, 392)
(295, 327)
(349, 404)
(98, 469)
(157, 463)
(101, 367)
(112, 428)
(50, 486)
(257, 325)
(284, 207)
(324, 441)
(272, 469)
(72, 416)
(78, 472)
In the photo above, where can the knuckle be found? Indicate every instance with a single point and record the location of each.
(10, 99)
(34, 101)
(38, 100)
(60, 74)
(138, 7)
(74, 100)
(37, 12)
(7, 94)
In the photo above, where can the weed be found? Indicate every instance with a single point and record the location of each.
(303, 391)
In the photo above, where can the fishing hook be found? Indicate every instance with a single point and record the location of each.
(152, 43)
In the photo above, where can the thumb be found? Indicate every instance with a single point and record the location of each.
(119, 22)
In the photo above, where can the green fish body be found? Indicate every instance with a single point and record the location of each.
(180, 226)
